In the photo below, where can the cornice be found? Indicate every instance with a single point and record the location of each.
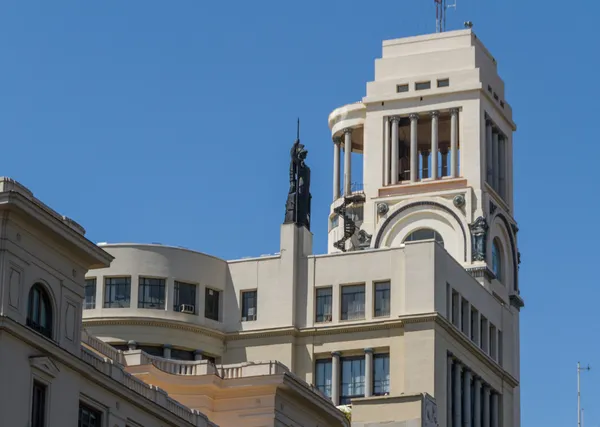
(154, 322)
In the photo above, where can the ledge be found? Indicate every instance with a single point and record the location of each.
(423, 187)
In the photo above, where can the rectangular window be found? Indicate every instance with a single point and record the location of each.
(496, 96)
(465, 316)
(382, 299)
(248, 306)
(335, 221)
(443, 83)
(483, 339)
(323, 376)
(324, 302)
(353, 302)
(381, 374)
(211, 304)
(493, 342)
(500, 348)
(474, 325)
(185, 298)
(455, 308)
(151, 293)
(89, 417)
(89, 302)
(422, 85)
(38, 405)
(352, 382)
(117, 292)
(402, 88)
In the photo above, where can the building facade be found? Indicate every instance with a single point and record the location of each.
(415, 305)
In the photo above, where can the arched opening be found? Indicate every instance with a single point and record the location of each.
(496, 260)
(39, 310)
(425, 234)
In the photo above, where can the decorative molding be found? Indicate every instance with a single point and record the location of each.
(387, 222)
(70, 320)
(347, 131)
(493, 208)
(413, 117)
(435, 114)
(382, 208)
(514, 228)
(459, 201)
(514, 250)
(395, 119)
(479, 231)
(483, 271)
(516, 301)
(45, 365)
(15, 286)
(429, 412)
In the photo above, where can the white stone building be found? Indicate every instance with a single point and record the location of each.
(418, 298)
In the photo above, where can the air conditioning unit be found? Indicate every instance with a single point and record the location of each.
(187, 308)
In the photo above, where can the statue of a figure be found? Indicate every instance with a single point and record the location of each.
(478, 238)
(297, 208)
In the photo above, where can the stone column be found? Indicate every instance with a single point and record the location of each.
(425, 160)
(495, 162)
(434, 143)
(495, 415)
(454, 142)
(414, 149)
(167, 351)
(347, 161)
(386, 151)
(335, 377)
(488, 150)
(486, 406)
(198, 355)
(467, 399)
(449, 390)
(477, 402)
(395, 157)
(457, 400)
(368, 372)
(444, 152)
(336, 168)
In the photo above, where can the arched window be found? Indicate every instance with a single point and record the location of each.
(496, 260)
(39, 311)
(425, 234)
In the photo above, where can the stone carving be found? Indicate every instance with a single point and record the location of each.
(382, 208)
(297, 208)
(515, 229)
(519, 259)
(70, 320)
(429, 417)
(492, 208)
(45, 365)
(14, 288)
(479, 231)
(459, 201)
(364, 239)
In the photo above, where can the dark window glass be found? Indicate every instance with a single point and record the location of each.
(38, 405)
(352, 379)
(353, 302)
(402, 88)
(382, 299)
(152, 350)
(323, 376)
(425, 234)
(89, 417)
(151, 293)
(248, 306)
(177, 354)
(117, 292)
(381, 374)
(496, 260)
(39, 311)
(443, 83)
(324, 297)
(89, 302)
(422, 85)
(122, 347)
(185, 298)
(211, 304)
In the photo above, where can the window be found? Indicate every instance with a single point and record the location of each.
(211, 304)
(117, 292)
(381, 374)
(382, 299)
(89, 417)
(323, 303)
(89, 302)
(39, 311)
(335, 221)
(483, 340)
(493, 342)
(422, 85)
(496, 96)
(500, 348)
(152, 350)
(177, 354)
(402, 88)
(489, 89)
(425, 234)
(38, 405)
(185, 298)
(323, 376)
(466, 312)
(248, 306)
(151, 293)
(353, 302)
(496, 260)
(455, 308)
(443, 83)
(474, 325)
(353, 379)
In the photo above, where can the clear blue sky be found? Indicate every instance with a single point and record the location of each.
(171, 121)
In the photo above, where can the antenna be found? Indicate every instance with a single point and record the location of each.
(579, 410)
(298, 130)
(440, 14)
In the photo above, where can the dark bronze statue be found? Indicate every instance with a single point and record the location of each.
(297, 208)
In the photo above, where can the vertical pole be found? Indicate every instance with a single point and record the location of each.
(454, 142)
(347, 161)
(336, 168)
(414, 148)
(578, 397)
(434, 144)
(386, 151)
(395, 157)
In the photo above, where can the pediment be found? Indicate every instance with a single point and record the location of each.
(45, 365)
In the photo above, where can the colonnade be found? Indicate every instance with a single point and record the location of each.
(470, 401)
(395, 164)
(337, 143)
(336, 370)
(496, 143)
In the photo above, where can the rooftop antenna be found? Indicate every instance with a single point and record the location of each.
(441, 6)
(579, 410)
(298, 130)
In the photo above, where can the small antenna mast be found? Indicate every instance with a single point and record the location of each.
(441, 8)
(298, 130)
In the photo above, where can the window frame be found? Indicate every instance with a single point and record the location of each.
(379, 356)
(346, 399)
(324, 388)
(402, 88)
(344, 316)
(317, 298)
(177, 299)
(90, 305)
(439, 239)
(218, 312)
(110, 303)
(376, 299)
(245, 309)
(44, 308)
(45, 407)
(423, 85)
(497, 259)
(142, 302)
(85, 404)
(443, 82)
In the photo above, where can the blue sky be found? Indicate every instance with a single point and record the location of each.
(171, 121)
